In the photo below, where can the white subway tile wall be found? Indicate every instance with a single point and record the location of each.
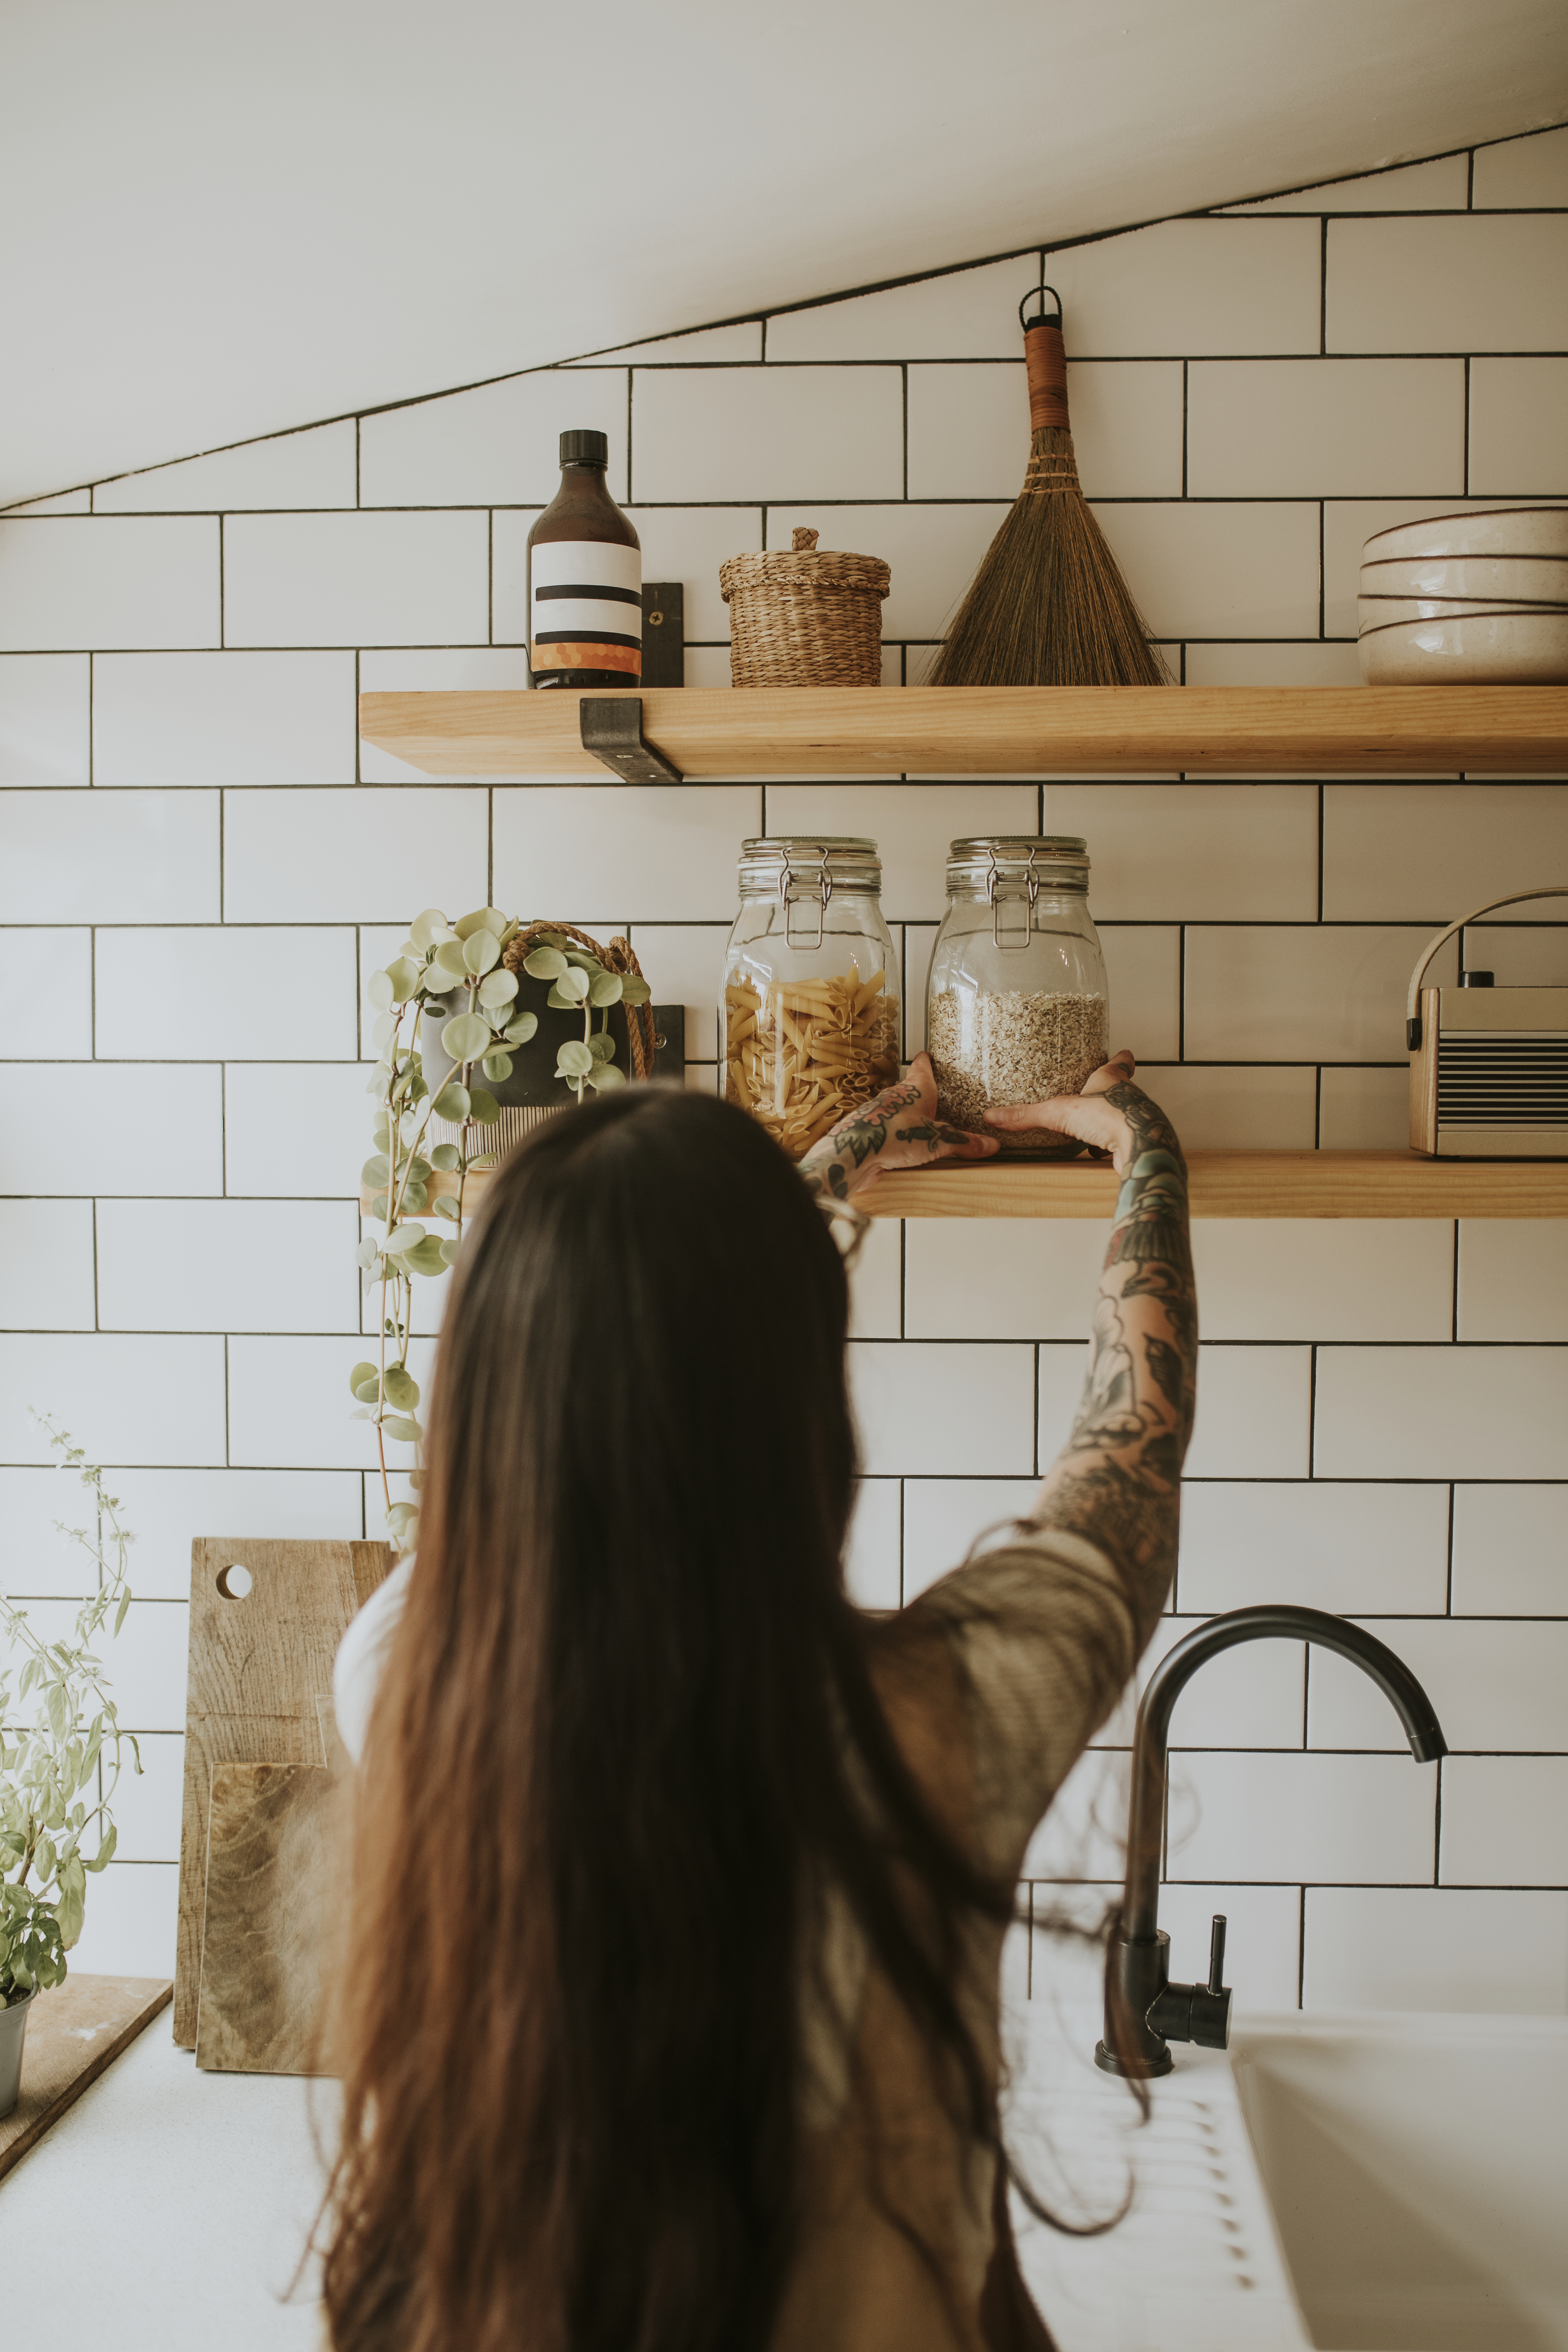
(183, 963)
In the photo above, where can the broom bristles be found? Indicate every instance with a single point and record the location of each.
(1049, 606)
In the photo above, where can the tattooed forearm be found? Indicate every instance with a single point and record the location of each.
(1118, 1479)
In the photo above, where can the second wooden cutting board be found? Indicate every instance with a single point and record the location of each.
(261, 1649)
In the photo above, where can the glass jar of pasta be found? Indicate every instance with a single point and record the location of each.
(1016, 1008)
(810, 1009)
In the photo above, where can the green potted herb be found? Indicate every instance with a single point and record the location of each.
(52, 1759)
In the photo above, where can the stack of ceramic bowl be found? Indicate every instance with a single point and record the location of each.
(1468, 599)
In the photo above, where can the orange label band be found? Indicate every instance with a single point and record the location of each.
(588, 657)
(1046, 363)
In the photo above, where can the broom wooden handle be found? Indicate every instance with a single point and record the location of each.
(1045, 363)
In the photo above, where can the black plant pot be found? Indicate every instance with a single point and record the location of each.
(534, 1092)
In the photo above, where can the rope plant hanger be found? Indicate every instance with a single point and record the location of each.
(1048, 606)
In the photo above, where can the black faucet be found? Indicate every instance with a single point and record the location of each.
(1144, 2012)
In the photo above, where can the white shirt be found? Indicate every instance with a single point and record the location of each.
(362, 1656)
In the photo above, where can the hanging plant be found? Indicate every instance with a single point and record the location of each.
(438, 959)
(450, 992)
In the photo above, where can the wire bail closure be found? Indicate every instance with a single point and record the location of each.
(999, 890)
(816, 889)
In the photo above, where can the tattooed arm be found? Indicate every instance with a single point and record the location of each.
(899, 1129)
(1117, 1480)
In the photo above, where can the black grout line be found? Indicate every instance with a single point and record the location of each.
(1323, 290)
(1466, 449)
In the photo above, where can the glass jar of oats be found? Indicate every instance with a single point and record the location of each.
(1017, 1007)
(809, 1013)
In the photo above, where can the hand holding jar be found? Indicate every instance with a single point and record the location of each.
(899, 1128)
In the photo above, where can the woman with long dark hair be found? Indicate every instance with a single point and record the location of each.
(680, 1883)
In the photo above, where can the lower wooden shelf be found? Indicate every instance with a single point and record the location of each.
(1224, 1184)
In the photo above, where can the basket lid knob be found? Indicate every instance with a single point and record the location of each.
(802, 540)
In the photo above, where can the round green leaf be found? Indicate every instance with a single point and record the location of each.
(367, 1254)
(573, 984)
(402, 1388)
(418, 1169)
(405, 979)
(378, 1205)
(605, 1076)
(416, 1197)
(545, 963)
(575, 1060)
(360, 1375)
(447, 1157)
(483, 918)
(602, 1045)
(369, 1391)
(634, 991)
(404, 1237)
(407, 1433)
(452, 1103)
(604, 988)
(377, 1173)
(428, 1257)
(445, 1206)
(498, 987)
(449, 963)
(520, 1031)
(380, 991)
(485, 1108)
(449, 1249)
(427, 928)
(466, 1038)
(480, 950)
(498, 1067)
(386, 1029)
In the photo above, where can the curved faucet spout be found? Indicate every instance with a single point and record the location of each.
(1142, 2009)
(1281, 1621)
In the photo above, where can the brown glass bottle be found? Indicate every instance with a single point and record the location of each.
(584, 579)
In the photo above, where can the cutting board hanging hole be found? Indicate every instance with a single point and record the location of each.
(233, 1582)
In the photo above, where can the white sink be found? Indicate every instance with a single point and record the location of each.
(1418, 2168)
(1384, 2183)
(1196, 2266)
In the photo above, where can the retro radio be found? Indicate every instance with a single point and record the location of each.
(1488, 1067)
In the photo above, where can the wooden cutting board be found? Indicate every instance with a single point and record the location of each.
(273, 1910)
(256, 1665)
(73, 2032)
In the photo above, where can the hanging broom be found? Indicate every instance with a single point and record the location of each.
(1048, 606)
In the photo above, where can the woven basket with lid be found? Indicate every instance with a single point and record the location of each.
(805, 618)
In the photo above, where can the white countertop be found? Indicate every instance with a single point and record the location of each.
(166, 2211)
(168, 2208)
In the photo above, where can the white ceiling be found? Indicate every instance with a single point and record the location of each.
(216, 220)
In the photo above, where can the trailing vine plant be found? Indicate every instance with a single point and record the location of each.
(436, 959)
(50, 1798)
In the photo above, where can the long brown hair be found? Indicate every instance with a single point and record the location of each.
(628, 1723)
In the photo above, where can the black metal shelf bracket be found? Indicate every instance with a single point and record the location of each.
(611, 731)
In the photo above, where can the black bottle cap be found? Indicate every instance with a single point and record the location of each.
(585, 448)
(1476, 979)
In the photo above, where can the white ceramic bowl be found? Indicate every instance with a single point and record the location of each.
(1500, 579)
(1482, 649)
(1502, 531)
(1385, 612)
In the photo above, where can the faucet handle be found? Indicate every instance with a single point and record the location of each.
(1217, 1956)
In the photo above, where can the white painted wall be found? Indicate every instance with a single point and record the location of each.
(198, 866)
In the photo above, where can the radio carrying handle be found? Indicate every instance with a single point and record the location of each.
(1412, 1017)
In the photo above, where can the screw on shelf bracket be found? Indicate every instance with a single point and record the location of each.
(611, 731)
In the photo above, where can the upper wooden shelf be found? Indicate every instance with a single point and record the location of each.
(707, 732)
(1224, 1184)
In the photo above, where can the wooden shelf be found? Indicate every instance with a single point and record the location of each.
(1224, 1184)
(995, 730)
